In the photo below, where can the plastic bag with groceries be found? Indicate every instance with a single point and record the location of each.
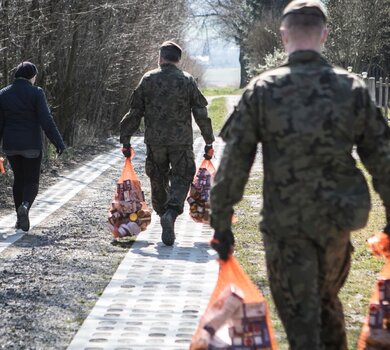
(237, 317)
(199, 195)
(129, 214)
(375, 334)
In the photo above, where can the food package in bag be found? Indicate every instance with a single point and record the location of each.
(237, 317)
(375, 334)
(129, 213)
(199, 195)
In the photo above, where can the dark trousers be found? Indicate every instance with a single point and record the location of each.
(305, 279)
(26, 178)
(171, 170)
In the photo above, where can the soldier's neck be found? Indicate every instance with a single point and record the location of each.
(293, 47)
(163, 61)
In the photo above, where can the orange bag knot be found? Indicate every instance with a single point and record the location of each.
(2, 170)
(380, 245)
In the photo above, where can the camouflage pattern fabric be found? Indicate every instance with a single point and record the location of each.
(165, 97)
(171, 170)
(305, 279)
(308, 116)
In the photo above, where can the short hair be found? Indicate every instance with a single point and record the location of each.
(170, 51)
(303, 21)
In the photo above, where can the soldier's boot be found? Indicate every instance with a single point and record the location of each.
(23, 221)
(168, 226)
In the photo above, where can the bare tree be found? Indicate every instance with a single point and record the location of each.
(251, 24)
(359, 33)
(90, 54)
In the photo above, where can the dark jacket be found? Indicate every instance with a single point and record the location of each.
(23, 112)
(165, 97)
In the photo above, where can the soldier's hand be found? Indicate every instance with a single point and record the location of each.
(126, 150)
(380, 243)
(223, 243)
(208, 151)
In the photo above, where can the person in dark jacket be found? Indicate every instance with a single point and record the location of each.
(23, 114)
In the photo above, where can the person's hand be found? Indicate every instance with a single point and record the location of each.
(208, 151)
(380, 243)
(223, 243)
(60, 150)
(126, 150)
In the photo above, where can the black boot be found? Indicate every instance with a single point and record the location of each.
(22, 215)
(168, 226)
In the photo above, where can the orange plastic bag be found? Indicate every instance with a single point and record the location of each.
(199, 196)
(375, 333)
(129, 214)
(2, 170)
(237, 316)
(380, 245)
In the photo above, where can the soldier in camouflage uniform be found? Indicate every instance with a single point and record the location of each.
(308, 116)
(165, 97)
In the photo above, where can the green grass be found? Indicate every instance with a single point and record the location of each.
(218, 112)
(357, 291)
(221, 91)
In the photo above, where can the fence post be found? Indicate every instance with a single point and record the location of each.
(387, 97)
(372, 88)
(380, 91)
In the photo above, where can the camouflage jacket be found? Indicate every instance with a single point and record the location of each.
(165, 97)
(308, 116)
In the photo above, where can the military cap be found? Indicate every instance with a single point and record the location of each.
(171, 51)
(306, 7)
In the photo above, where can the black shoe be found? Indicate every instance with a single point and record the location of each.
(23, 220)
(168, 227)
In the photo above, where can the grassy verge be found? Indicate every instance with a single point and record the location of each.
(356, 292)
(218, 112)
(221, 91)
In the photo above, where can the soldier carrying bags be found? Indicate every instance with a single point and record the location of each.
(308, 116)
(165, 97)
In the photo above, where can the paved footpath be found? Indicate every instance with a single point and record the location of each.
(57, 195)
(158, 294)
(156, 297)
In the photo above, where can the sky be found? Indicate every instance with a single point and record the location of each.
(204, 42)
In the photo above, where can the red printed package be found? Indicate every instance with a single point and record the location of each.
(375, 334)
(199, 196)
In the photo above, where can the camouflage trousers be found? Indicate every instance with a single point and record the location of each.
(305, 278)
(171, 170)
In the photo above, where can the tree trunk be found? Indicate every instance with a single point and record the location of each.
(6, 40)
(243, 69)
